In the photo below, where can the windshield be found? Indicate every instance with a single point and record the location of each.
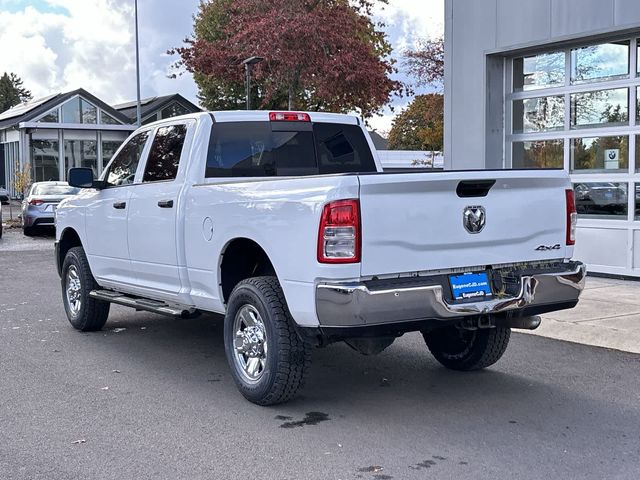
(53, 189)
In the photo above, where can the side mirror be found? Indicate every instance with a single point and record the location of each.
(82, 178)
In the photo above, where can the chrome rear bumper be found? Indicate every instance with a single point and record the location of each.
(350, 304)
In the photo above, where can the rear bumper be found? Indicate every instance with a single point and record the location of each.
(36, 218)
(354, 304)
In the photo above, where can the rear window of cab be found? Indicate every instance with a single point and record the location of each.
(262, 149)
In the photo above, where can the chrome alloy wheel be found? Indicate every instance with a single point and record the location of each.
(74, 290)
(250, 343)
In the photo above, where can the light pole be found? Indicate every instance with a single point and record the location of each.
(248, 65)
(137, 67)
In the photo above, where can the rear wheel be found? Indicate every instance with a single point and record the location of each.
(268, 360)
(28, 231)
(460, 349)
(84, 313)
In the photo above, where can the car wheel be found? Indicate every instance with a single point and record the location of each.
(460, 349)
(268, 359)
(28, 231)
(84, 313)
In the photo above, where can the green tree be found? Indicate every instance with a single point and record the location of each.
(319, 55)
(12, 92)
(420, 126)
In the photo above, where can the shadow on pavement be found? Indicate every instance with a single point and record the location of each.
(525, 384)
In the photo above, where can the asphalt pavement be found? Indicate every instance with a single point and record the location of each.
(151, 398)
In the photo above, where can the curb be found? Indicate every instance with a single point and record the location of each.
(594, 335)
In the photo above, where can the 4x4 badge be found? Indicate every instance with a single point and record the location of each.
(545, 248)
(474, 218)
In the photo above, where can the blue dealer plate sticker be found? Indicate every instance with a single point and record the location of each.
(471, 286)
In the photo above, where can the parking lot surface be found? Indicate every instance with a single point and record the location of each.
(151, 397)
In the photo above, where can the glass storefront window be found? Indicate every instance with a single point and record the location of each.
(637, 200)
(637, 153)
(149, 120)
(173, 110)
(538, 154)
(89, 112)
(81, 153)
(538, 71)
(45, 160)
(601, 199)
(538, 114)
(78, 110)
(51, 117)
(600, 108)
(107, 119)
(600, 62)
(109, 148)
(71, 111)
(600, 154)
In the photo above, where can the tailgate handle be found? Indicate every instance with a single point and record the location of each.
(474, 188)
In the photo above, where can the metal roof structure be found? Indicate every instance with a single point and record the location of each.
(34, 108)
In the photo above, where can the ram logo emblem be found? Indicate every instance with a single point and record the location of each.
(474, 219)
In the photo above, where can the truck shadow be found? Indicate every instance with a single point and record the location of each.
(530, 380)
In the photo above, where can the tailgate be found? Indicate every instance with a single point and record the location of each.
(416, 222)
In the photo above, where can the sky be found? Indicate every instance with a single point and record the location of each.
(61, 45)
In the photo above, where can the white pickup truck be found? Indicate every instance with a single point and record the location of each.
(285, 223)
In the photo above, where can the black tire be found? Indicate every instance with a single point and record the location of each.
(467, 350)
(91, 314)
(28, 231)
(288, 357)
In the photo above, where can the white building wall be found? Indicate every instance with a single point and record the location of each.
(480, 37)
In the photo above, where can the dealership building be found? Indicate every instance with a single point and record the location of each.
(49, 135)
(553, 84)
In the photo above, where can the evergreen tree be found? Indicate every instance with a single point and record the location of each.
(12, 92)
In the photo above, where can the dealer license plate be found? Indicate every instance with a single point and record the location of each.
(471, 286)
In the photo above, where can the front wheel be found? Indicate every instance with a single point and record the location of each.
(460, 349)
(84, 313)
(268, 360)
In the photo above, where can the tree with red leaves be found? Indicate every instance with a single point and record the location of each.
(426, 62)
(319, 55)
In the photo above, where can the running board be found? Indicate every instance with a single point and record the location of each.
(142, 303)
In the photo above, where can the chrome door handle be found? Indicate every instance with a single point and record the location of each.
(120, 205)
(165, 203)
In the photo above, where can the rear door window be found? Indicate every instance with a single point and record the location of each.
(165, 153)
(252, 149)
(122, 169)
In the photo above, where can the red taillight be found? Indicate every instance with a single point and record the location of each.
(289, 117)
(35, 202)
(572, 217)
(339, 235)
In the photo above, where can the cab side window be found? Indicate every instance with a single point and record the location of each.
(122, 169)
(164, 156)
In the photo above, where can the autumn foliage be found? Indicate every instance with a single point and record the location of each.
(420, 126)
(426, 62)
(323, 55)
